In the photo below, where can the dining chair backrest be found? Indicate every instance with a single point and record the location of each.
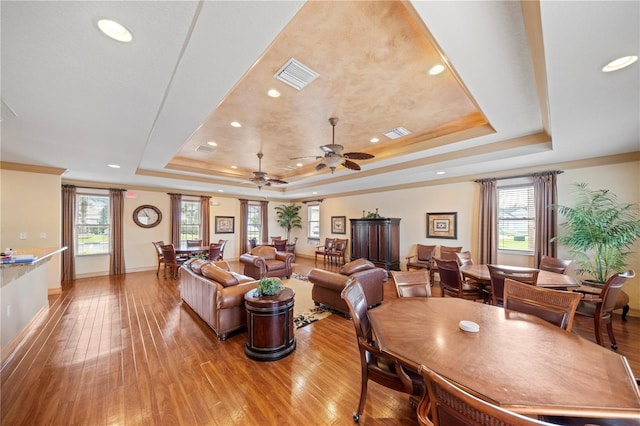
(253, 243)
(553, 264)
(412, 283)
(612, 289)
(214, 251)
(555, 306)
(280, 245)
(425, 252)
(451, 281)
(158, 246)
(222, 243)
(498, 273)
(449, 253)
(449, 405)
(464, 258)
(169, 253)
(194, 243)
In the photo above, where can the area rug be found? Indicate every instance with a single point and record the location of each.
(311, 316)
(304, 310)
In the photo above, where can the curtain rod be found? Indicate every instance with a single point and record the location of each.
(552, 172)
(92, 187)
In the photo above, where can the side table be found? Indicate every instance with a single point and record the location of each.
(271, 334)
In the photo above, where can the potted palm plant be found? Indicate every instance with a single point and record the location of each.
(289, 217)
(599, 232)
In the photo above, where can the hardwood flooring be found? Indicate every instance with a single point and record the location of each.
(123, 350)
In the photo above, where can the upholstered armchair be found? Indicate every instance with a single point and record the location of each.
(265, 261)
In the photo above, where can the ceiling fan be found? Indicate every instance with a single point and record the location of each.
(333, 156)
(260, 178)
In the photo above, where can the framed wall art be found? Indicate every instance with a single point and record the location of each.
(225, 224)
(442, 225)
(338, 224)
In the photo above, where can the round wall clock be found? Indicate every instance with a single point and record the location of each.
(147, 216)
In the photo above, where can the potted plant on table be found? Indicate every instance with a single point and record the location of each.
(269, 287)
(599, 232)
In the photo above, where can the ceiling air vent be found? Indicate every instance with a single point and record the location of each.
(295, 74)
(202, 148)
(396, 133)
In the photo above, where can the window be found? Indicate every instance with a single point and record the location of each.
(189, 221)
(92, 224)
(313, 213)
(254, 222)
(516, 218)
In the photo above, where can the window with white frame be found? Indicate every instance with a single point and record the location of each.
(92, 224)
(190, 221)
(516, 218)
(254, 222)
(313, 215)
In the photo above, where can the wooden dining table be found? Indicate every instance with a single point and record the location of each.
(191, 250)
(546, 279)
(515, 360)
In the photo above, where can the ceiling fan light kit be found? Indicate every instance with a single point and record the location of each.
(333, 156)
(260, 178)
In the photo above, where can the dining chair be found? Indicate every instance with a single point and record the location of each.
(328, 245)
(498, 273)
(337, 253)
(215, 251)
(280, 245)
(449, 405)
(374, 364)
(171, 261)
(555, 306)
(412, 283)
(446, 253)
(194, 243)
(223, 244)
(553, 264)
(158, 246)
(422, 258)
(253, 243)
(605, 303)
(452, 283)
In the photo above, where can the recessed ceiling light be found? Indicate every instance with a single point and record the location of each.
(273, 93)
(113, 166)
(115, 30)
(220, 190)
(236, 124)
(212, 143)
(374, 140)
(299, 164)
(441, 172)
(619, 63)
(234, 167)
(314, 193)
(436, 69)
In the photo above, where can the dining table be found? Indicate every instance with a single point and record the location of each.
(191, 250)
(546, 279)
(515, 360)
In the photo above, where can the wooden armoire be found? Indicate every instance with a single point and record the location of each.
(377, 240)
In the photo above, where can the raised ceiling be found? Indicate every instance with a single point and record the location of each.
(522, 90)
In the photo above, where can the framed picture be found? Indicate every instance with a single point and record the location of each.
(225, 224)
(442, 225)
(338, 224)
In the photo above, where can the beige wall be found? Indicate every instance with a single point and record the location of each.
(30, 203)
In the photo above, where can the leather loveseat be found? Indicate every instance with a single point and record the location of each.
(327, 286)
(216, 294)
(265, 261)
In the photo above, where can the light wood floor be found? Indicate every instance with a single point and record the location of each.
(124, 351)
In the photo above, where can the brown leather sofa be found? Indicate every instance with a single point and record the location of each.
(327, 286)
(265, 261)
(216, 294)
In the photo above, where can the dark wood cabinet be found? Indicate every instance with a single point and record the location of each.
(377, 240)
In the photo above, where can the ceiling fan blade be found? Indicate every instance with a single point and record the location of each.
(358, 155)
(351, 165)
(320, 166)
(277, 182)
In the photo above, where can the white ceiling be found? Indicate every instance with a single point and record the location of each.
(82, 101)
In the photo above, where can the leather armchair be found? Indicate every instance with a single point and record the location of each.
(265, 261)
(328, 286)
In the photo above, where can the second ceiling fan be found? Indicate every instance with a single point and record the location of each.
(334, 157)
